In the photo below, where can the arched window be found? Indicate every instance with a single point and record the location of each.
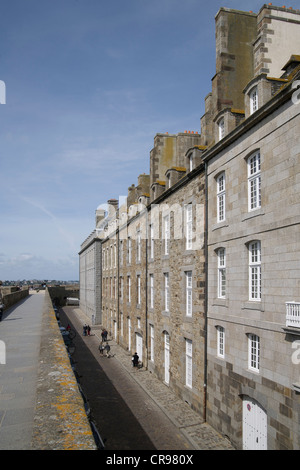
(221, 253)
(221, 126)
(253, 100)
(254, 182)
(255, 270)
(167, 356)
(221, 197)
(220, 341)
(253, 352)
(188, 363)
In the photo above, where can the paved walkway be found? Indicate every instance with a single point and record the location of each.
(20, 332)
(20, 340)
(200, 435)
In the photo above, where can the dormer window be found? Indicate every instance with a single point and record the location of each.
(168, 180)
(221, 125)
(253, 100)
(191, 162)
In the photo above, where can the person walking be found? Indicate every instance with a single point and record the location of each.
(135, 359)
(104, 335)
(101, 348)
(84, 329)
(88, 330)
(107, 349)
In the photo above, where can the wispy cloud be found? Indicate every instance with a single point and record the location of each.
(64, 234)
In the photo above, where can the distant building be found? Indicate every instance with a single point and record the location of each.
(199, 270)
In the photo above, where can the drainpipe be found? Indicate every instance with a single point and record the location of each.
(146, 296)
(205, 294)
(118, 284)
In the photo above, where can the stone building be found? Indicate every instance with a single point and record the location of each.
(253, 275)
(198, 270)
(253, 250)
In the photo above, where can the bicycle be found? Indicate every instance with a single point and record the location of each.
(71, 348)
(72, 334)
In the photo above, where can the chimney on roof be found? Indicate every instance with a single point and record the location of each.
(113, 205)
(100, 215)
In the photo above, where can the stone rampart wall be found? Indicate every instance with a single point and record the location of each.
(13, 298)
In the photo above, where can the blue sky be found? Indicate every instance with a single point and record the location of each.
(88, 85)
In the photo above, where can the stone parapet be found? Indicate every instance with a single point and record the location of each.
(60, 421)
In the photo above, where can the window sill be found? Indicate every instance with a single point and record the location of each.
(253, 213)
(220, 302)
(253, 305)
(219, 225)
(188, 318)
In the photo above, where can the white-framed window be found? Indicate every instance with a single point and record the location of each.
(152, 343)
(254, 182)
(253, 352)
(166, 234)
(121, 288)
(221, 273)
(115, 287)
(151, 241)
(253, 100)
(167, 292)
(221, 127)
(255, 270)
(167, 357)
(121, 252)
(111, 256)
(115, 255)
(189, 293)
(103, 258)
(191, 162)
(188, 363)
(151, 290)
(129, 334)
(129, 288)
(129, 249)
(105, 287)
(220, 341)
(121, 324)
(138, 245)
(168, 181)
(189, 226)
(138, 282)
(221, 197)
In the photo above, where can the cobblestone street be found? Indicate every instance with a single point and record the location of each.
(168, 422)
